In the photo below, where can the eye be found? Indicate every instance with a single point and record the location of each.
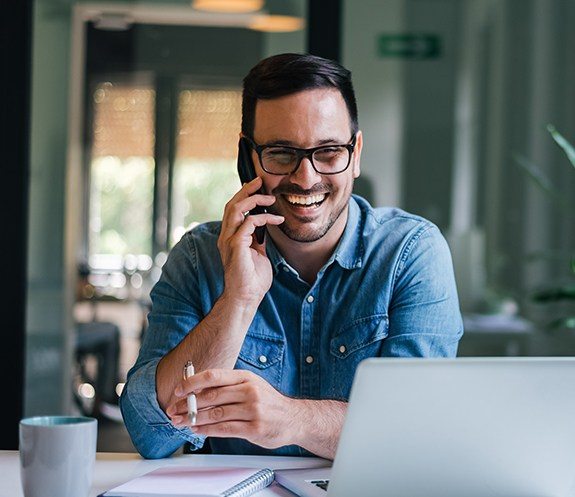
(328, 154)
(279, 155)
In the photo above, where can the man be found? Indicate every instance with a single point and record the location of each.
(275, 331)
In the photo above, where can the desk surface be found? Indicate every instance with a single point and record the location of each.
(112, 469)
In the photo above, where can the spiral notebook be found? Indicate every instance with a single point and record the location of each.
(177, 481)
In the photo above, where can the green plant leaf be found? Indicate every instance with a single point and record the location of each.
(563, 143)
(567, 322)
(555, 294)
(539, 178)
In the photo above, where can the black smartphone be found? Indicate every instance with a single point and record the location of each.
(247, 173)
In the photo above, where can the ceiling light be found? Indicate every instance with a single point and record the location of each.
(276, 24)
(279, 16)
(228, 6)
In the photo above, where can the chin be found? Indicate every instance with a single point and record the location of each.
(304, 234)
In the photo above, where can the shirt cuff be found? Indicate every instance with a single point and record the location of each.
(141, 402)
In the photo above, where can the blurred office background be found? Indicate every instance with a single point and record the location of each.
(131, 135)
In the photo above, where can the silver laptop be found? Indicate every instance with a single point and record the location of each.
(473, 427)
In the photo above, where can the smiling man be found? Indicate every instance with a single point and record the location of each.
(276, 330)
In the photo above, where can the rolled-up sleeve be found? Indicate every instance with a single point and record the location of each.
(151, 431)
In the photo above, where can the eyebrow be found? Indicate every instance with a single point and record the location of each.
(288, 143)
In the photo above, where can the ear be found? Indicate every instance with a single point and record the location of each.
(356, 159)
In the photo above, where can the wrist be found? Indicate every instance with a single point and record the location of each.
(318, 426)
(299, 414)
(240, 305)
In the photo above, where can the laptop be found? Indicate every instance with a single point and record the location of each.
(473, 427)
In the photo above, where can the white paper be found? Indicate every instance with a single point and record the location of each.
(177, 481)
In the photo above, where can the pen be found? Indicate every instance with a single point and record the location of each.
(192, 405)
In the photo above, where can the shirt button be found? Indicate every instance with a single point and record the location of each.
(309, 359)
(286, 269)
(263, 359)
(342, 349)
(310, 299)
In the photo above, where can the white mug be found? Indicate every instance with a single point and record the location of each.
(57, 455)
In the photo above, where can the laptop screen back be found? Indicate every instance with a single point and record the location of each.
(498, 427)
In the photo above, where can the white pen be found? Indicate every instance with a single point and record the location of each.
(192, 405)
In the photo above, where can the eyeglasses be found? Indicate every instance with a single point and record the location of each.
(282, 160)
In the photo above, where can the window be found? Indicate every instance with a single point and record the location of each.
(121, 174)
(162, 118)
(205, 175)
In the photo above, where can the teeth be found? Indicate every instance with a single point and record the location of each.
(305, 200)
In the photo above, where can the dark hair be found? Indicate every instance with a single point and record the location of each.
(289, 73)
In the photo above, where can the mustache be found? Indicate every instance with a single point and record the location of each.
(296, 190)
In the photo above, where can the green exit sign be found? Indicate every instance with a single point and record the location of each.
(409, 46)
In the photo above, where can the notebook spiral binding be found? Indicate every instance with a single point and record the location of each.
(256, 482)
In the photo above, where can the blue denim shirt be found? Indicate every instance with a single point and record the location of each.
(388, 290)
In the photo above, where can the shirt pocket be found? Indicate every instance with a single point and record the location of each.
(355, 341)
(262, 355)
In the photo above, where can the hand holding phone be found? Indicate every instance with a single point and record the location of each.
(247, 172)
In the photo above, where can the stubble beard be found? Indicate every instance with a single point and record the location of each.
(303, 233)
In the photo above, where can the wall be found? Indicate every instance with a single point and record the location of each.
(379, 90)
(515, 76)
(441, 135)
(48, 328)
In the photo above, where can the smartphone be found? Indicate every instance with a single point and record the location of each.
(247, 173)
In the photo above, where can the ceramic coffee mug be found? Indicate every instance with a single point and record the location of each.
(57, 455)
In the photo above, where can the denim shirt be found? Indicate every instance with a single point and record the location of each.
(388, 290)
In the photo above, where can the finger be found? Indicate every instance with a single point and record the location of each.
(253, 201)
(247, 190)
(228, 429)
(179, 407)
(223, 414)
(252, 186)
(244, 234)
(208, 397)
(219, 396)
(234, 214)
(212, 415)
(181, 421)
(210, 378)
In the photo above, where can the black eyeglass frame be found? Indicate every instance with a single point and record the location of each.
(304, 152)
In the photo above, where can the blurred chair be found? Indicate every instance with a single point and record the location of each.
(97, 343)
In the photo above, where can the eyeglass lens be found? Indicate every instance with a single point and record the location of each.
(282, 160)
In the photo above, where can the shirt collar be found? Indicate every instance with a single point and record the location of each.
(273, 254)
(348, 252)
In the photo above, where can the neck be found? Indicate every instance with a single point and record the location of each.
(307, 258)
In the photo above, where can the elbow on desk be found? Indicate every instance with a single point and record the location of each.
(151, 440)
(155, 452)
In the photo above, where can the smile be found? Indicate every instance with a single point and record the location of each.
(306, 200)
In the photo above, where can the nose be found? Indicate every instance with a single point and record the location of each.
(305, 176)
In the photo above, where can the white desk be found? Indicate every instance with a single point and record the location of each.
(114, 468)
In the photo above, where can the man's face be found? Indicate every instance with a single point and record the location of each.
(313, 204)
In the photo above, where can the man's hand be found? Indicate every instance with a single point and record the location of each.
(247, 270)
(240, 404)
(217, 339)
(237, 404)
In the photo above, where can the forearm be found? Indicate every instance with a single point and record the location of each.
(318, 425)
(214, 343)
